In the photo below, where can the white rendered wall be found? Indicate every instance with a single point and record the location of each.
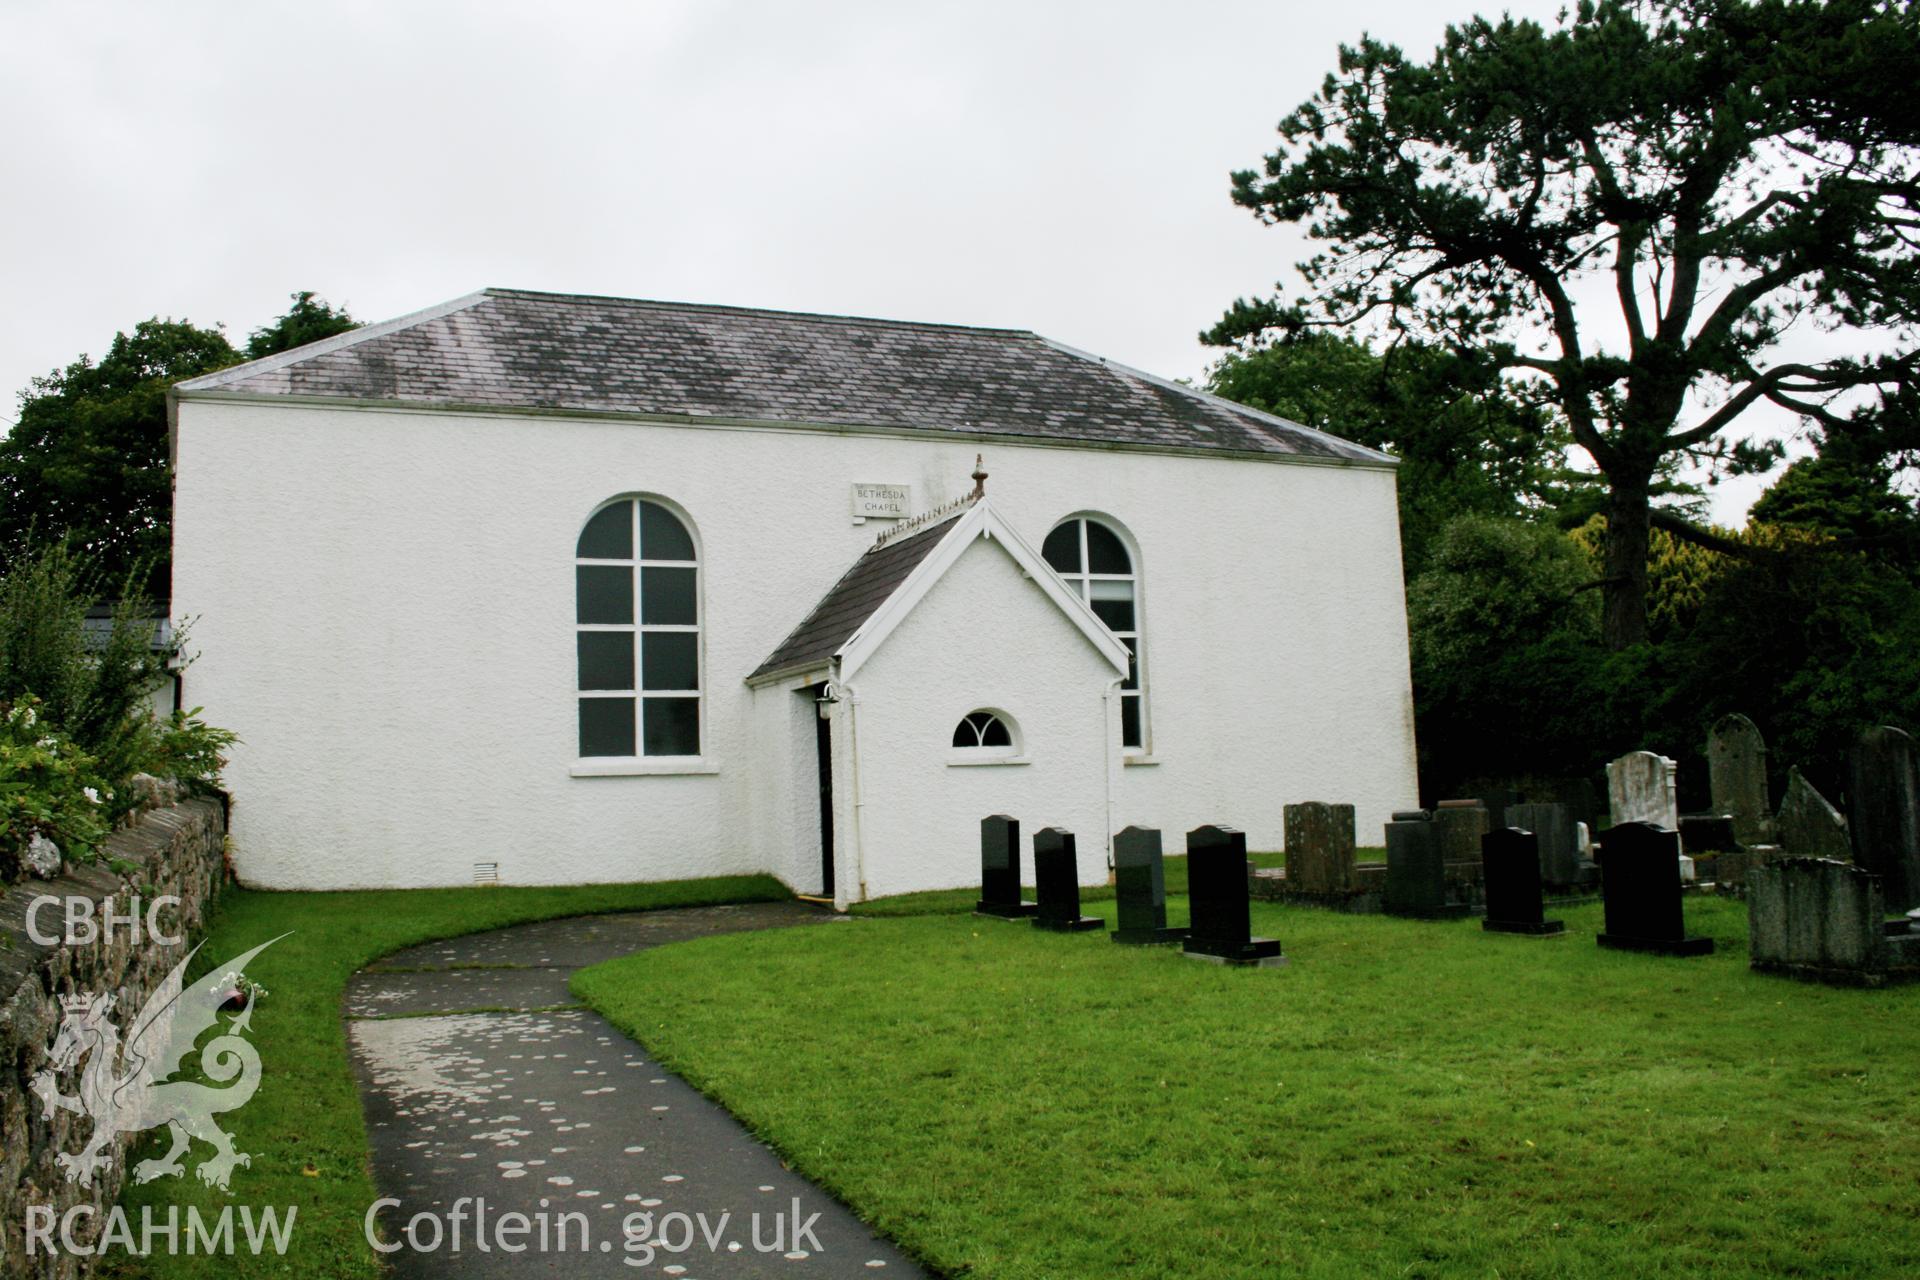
(985, 637)
(383, 602)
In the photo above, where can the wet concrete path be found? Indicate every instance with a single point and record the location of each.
(490, 1092)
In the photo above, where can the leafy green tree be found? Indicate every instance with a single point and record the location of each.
(1632, 210)
(1509, 676)
(87, 464)
(1467, 444)
(309, 319)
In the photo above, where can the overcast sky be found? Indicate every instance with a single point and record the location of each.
(1057, 167)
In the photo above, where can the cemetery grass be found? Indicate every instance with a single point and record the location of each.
(935, 902)
(303, 1127)
(1406, 1099)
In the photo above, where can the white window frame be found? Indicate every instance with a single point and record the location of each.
(1082, 585)
(980, 754)
(641, 763)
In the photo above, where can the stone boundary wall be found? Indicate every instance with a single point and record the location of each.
(178, 850)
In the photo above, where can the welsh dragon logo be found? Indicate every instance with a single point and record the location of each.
(125, 1086)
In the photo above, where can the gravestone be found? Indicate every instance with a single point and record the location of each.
(1737, 777)
(1640, 885)
(1056, 883)
(1589, 869)
(1510, 867)
(1553, 826)
(1884, 813)
(1460, 824)
(1217, 899)
(1000, 869)
(1496, 801)
(1825, 921)
(1809, 827)
(1582, 799)
(1319, 847)
(1416, 868)
(1641, 787)
(1140, 885)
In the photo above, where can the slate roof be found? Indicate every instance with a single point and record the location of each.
(509, 349)
(861, 591)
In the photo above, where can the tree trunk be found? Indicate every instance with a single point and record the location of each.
(1623, 617)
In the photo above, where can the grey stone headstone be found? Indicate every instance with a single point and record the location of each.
(1816, 918)
(1809, 827)
(1641, 787)
(1884, 812)
(1559, 849)
(1460, 824)
(1737, 775)
(1319, 847)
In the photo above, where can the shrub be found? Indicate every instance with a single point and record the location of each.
(78, 723)
(49, 786)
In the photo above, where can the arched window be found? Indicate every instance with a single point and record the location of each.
(637, 609)
(982, 729)
(1094, 561)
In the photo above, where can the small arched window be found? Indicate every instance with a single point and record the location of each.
(983, 730)
(637, 619)
(1094, 561)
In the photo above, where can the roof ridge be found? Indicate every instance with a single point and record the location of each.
(1208, 397)
(727, 308)
(928, 519)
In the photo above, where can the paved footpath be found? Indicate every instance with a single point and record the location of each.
(484, 1080)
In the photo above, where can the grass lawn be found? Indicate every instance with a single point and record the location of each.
(1406, 1099)
(303, 1127)
(936, 902)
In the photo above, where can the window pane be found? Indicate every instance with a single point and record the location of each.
(672, 726)
(1062, 548)
(994, 733)
(964, 734)
(1105, 552)
(606, 659)
(1133, 662)
(604, 593)
(1130, 720)
(609, 535)
(1116, 613)
(670, 660)
(666, 597)
(606, 726)
(662, 536)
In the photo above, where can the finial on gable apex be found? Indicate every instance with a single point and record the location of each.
(979, 477)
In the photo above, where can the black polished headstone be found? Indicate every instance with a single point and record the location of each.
(1218, 904)
(1640, 883)
(1510, 870)
(1141, 889)
(1883, 812)
(1417, 869)
(1000, 869)
(1056, 883)
(1552, 825)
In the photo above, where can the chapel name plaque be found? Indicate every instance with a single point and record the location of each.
(882, 501)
